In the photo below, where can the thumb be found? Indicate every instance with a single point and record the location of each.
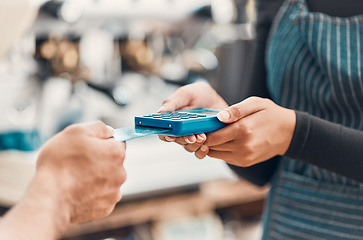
(240, 110)
(180, 99)
(100, 130)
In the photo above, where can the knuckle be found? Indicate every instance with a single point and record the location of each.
(180, 141)
(74, 129)
(204, 83)
(188, 148)
(236, 112)
(244, 128)
(106, 212)
(166, 101)
(121, 154)
(248, 157)
(210, 140)
(200, 154)
(122, 177)
(185, 90)
(255, 99)
(249, 150)
(116, 197)
(100, 125)
(116, 151)
(119, 182)
(246, 163)
(261, 101)
(116, 179)
(191, 147)
(267, 101)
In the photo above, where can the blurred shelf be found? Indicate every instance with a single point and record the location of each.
(212, 195)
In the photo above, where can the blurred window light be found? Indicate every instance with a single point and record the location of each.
(71, 11)
(158, 9)
(223, 11)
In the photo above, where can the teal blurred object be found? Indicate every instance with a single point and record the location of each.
(29, 140)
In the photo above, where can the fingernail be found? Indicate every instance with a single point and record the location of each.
(200, 139)
(169, 139)
(110, 129)
(223, 115)
(203, 148)
(192, 140)
(161, 108)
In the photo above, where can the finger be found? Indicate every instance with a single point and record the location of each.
(192, 147)
(99, 129)
(202, 152)
(201, 138)
(242, 109)
(178, 140)
(181, 141)
(225, 147)
(181, 98)
(190, 139)
(117, 151)
(166, 138)
(222, 136)
(122, 178)
(225, 156)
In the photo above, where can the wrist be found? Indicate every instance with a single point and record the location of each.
(39, 215)
(44, 194)
(289, 129)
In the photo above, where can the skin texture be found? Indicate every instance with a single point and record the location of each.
(259, 128)
(196, 95)
(78, 179)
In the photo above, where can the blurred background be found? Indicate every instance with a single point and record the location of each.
(109, 60)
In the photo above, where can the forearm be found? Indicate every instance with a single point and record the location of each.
(328, 145)
(39, 215)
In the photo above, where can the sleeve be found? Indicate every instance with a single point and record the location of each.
(328, 145)
(260, 174)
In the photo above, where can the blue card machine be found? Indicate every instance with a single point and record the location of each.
(182, 123)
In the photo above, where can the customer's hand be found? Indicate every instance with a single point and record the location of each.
(196, 95)
(86, 167)
(259, 130)
(78, 178)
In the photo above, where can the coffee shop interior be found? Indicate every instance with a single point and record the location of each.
(111, 60)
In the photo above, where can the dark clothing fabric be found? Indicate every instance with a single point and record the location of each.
(336, 8)
(328, 145)
(261, 173)
(316, 141)
(314, 65)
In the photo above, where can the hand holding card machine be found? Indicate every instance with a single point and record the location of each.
(182, 123)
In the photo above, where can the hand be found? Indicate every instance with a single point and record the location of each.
(260, 130)
(196, 95)
(78, 178)
(87, 167)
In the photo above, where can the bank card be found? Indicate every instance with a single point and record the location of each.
(128, 133)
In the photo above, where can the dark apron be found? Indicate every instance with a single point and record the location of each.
(314, 65)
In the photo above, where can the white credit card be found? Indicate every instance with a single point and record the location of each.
(128, 133)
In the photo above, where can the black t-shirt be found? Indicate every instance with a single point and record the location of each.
(316, 141)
